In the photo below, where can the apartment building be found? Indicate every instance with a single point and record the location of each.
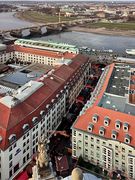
(35, 55)
(6, 53)
(32, 104)
(48, 45)
(103, 133)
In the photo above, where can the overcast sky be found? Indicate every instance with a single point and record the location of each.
(71, 0)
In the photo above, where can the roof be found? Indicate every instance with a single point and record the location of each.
(13, 118)
(103, 106)
(84, 120)
(52, 54)
(61, 163)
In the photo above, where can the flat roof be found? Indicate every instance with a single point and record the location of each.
(116, 96)
(17, 78)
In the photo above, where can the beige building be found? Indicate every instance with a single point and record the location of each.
(103, 133)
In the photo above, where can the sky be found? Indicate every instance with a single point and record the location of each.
(72, 0)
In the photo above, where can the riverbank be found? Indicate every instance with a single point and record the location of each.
(103, 31)
(42, 18)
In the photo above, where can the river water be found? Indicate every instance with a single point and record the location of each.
(95, 41)
(8, 21)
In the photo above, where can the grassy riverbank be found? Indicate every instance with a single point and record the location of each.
(112, 26)
(35, 16)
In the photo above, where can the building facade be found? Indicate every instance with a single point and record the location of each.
(103, 133)
(36, 109)
(48, 45)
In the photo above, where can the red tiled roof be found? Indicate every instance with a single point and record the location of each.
(46, 53)
(13, 119)
(84, 120)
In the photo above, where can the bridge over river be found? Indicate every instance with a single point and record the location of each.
(42, 29)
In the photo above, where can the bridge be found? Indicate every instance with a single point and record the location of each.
(42, 29)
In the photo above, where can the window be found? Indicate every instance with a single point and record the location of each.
(114, 134)
(10, 164)
(10, 149)
(90, 127)
(95, 118)
(125, 127)
(12, 138)
(25, 128)
(101, 131)
(27, 156)
(16, 167)
(106, 121)
(24, 160)
(10, 157)
(123, 149)
(127, 139)
(86, 137)
(117, 124)
(35, 120)
(10, 173)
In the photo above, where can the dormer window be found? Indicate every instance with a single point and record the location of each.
(118, 124)
(114, 134)
(0, 139)
(101, 131)
(42, 113)
(57, 95)
(52, 100)
(106, 121)
(61, 91)
(35, 120)
(127, 139)
(95, 118)
(47, 106)
(90, 127)
(25, 128)
(12, 138)
(125, 127)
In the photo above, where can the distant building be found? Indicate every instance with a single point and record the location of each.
(103, 133)
(48, 45)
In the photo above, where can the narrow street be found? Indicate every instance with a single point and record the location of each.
(61, 145)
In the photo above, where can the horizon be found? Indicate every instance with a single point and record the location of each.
(129, 1)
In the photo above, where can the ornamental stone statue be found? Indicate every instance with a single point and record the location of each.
(42, 159)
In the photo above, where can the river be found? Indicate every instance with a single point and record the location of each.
(8, 21)
(95, 41)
